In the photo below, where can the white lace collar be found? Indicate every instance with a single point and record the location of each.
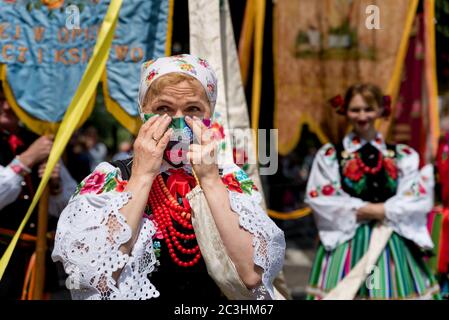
(352, 142)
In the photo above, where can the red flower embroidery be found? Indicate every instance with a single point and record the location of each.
(330, 151)
(328, 190)
(217, 131)
(355, 140)
(407, 150)
(352, 171)
(121, 184)
(232, 183)
(313, 194)
(390, 168)
(422, 190)
(151, 75)
(94, 183)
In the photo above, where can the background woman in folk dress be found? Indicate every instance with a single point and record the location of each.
(361, 181)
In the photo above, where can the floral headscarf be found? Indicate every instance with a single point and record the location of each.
(184, 63)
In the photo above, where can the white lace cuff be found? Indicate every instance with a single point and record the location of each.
(268, 242)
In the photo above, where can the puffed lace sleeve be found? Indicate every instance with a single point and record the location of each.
(406, 212)
(334, 210)
(268, 239)
(10, 186)
(91, 230)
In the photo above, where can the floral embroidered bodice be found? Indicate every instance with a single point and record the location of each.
(372, 187)
(348, 176)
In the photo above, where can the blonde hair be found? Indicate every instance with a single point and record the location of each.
(168, 79)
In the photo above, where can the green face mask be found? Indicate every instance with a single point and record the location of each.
(180, 139)
(181, 131)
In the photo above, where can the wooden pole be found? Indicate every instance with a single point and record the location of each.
(41, 245)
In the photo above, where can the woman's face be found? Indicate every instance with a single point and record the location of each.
(361, 115)
(187, 98)
(8, 119)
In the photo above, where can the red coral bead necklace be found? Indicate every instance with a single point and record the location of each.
(166, 210)
(367, 169)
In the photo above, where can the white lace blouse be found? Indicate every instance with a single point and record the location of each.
(91, 229)
(335, 210)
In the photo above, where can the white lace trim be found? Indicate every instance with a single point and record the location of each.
(268, 241)
(89, 235)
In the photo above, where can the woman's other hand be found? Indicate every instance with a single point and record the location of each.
(149, 147)
(203, 156)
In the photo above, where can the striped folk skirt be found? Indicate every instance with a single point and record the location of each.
(400, 272)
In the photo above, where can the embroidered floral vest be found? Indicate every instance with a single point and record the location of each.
(374, 188)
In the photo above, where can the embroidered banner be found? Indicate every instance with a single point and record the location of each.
(323, 47)
(45, 46)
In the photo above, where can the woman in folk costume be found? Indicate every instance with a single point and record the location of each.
(358, 183)
(127, 232)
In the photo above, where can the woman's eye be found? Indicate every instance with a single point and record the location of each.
(193, 109)
(162, 109)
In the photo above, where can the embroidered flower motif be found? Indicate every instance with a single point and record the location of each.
(352, 171)
(151, 76)
(241, 175)
(329, 151)
(217, 131)
(203, 63)
(158, 234)
(148, 63)
(407, 150)
(188, 67)
(121, 184)
(53, 4)
(210, 87)
(421, 189)
(232, 183)
(94, 183)
(390, 168)
(313, 194)
(355, 140)
(328, 190)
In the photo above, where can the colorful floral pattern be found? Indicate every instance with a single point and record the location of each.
(332, 189)
(403, 151)
(416, 189)
(352, 171)
(184, 63)
(355, 178)
(239, 181)
(151, 75)
(98, 182)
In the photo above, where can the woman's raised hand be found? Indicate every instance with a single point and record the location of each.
(37, 151)
(149, 146)
(203, 156)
